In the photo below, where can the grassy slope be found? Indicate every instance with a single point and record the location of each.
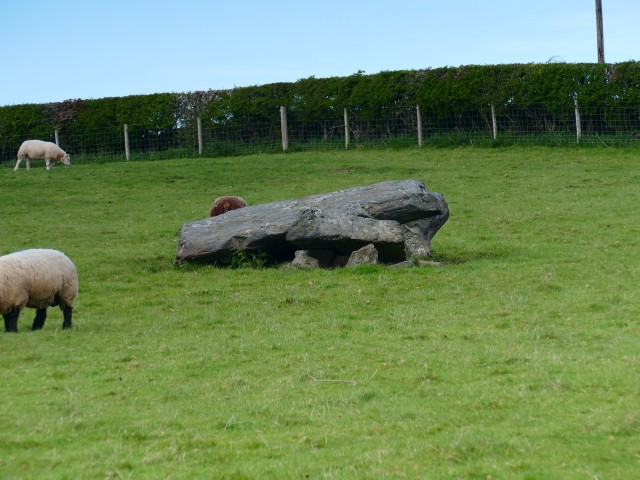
(516, 359)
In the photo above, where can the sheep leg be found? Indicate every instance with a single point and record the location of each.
(28, 162)
(18, 163)
(41, 316)
(66, 312)
(48, 162)
(11, 320)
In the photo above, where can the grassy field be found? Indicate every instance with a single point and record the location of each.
(518, 357)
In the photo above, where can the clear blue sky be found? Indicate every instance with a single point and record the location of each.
(52, 51)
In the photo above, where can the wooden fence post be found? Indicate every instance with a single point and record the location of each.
(199, 136)
(346, 129)
(126, 142)
(494, 121)
(419, 119)
(57, 137)
(578, 122)
(283, 128)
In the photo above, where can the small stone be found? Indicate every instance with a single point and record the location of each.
(405, 264)
(429, 263)
(302, 259)
(367, 255)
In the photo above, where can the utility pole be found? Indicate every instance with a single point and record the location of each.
(599, 27)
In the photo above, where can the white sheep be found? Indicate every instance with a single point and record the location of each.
(36, 278)
(39, 150)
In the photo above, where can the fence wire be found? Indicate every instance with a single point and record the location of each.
(402, 127)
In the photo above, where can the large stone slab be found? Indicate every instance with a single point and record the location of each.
(398, 217)
(345, 233)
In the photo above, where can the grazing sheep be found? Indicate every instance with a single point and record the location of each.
(224, 204)
(39, 150)
(36, 278)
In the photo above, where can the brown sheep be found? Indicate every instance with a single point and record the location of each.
(226, 203)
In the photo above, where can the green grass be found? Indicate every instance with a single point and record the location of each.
(517, 358)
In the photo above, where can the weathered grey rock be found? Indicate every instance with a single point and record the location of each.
(367, 255)
(404, 264)
(398, 217)
(302, 259)
(416, 243)
(429, 263)
(346, 233)
(313, 258)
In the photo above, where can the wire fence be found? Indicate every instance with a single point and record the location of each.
(402, 127)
